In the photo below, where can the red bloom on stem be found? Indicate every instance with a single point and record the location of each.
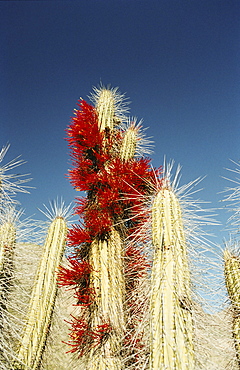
(79, 334)
(98, 221)
(77, 235)
(75, 274)
(84, 338)
(83, 131)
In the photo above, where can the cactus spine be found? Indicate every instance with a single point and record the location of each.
(232, 280)
(7, 242)
(7, 245)
(104, 165)
(106, 259)
(129, 143)
(42, 298)
(171, 328)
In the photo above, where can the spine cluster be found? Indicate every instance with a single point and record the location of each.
(127, 268)
(105, 166)
(232, 279)
(43, 297)
(171, 326)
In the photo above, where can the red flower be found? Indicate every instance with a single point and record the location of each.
(83, 131)
(77, 235)
(83, 338)
(75, 275)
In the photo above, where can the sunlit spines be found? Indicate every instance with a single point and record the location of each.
(42, 298)
(171, 327)
(232, 277)
(232, 281)
(7, 241)
(233, 199)
(7, 245)
(107, 281)
(134, 142)
(10, 183)
(111, 106)
(8, 235)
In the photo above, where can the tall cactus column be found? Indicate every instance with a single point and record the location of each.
(42, 299)
(106, 259)
(103, 149)
(171, 329)
(232, 280)
(7, 245)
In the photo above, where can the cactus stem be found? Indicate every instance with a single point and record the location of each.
(42, 298)
(170, 308)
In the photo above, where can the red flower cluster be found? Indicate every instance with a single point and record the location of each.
(114, 186)
(83, 338)
(77, 235)
(115, 191)
(77, 277)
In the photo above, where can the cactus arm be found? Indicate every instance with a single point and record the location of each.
(232, 281)
(106, 259)
(129, 144)
(106, 110)
(232, 278)
(7, 244)
(171, 343)
(42, 298)
(7, 241)
(104, 166)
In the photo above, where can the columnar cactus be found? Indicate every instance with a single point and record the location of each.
(103, 151)
(232, 262)
(171, 327)
(42, 299)
(124, 314)
(107, 281)
(10, 184)
(7, 245)
(232, 280)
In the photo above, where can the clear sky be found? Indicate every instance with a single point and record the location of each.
(177, 61)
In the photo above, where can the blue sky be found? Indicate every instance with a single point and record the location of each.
(177, 61)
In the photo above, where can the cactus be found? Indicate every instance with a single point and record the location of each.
(171, 327)
(232, 280)
(103, 151)
(108, 165)
(7, 245)
(232, 262)
(10, 183)
(106, 279)
(128, 264)
(42, 298)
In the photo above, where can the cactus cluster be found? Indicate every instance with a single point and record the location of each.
(128, 291)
